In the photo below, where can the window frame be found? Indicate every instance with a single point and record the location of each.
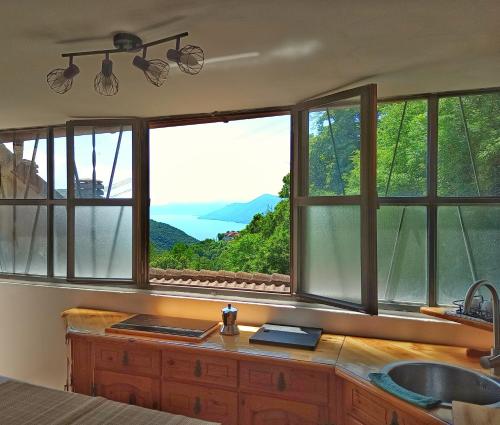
(141, 208)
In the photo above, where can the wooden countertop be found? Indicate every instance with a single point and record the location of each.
(353, 357)
(96, 321)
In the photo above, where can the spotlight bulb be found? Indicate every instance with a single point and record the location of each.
(61, 80)
(105, 82)
(190, 58)
(155, 70)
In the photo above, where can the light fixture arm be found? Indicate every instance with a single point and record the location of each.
(176, 37)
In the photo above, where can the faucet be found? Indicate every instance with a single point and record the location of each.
(493, 361)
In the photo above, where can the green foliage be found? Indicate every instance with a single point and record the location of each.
(163, 236)
(263, 246)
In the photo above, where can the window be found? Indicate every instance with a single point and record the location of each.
(220, 213)
(393, 203)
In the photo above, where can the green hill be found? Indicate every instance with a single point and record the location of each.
(163, 236)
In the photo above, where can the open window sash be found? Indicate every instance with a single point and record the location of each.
(106, 181)
(334, 203)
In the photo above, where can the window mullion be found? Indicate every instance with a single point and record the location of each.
(432, 152)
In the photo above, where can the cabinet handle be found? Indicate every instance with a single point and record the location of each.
(394, 420)
(170, 362)
(197, 369)
(132, 399)
(281, 382)
(197, 406)
(125, 358)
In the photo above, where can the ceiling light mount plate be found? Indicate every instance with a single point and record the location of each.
(127, 41)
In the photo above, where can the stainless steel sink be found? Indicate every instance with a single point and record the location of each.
(445, 382)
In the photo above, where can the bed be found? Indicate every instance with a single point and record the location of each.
(26, 404)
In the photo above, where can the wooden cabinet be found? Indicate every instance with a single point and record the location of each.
(200, 368)
(362, 405)
(230, 387)
(260, 410)
(297, 383)
(138, 390)
(201, 402)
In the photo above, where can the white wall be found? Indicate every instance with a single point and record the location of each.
(32, 332)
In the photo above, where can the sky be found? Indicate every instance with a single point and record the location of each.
(218, 162)
(235, 161)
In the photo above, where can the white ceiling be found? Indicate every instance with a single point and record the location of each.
(289, 50)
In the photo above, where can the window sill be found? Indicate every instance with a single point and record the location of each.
(240, 297)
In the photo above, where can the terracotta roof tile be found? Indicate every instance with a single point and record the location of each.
(276, 283)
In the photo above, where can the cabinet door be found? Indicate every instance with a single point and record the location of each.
(297, 383)
(129, 357)
(81, 370)
(138, 390)
(258, 410)
(200, 368)
(200, 402)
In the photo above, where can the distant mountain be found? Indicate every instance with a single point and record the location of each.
(243, 212)
(196, 209)
(164, 236)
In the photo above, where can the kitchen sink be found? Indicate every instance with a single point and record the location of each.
(445, 382)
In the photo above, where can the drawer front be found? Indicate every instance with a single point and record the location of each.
(127, 358)
(200, 368)
(368, 409)
(137, 390)
(200, 402)
(261, 410)
(301, 384)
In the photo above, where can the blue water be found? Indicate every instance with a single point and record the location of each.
(196, 227)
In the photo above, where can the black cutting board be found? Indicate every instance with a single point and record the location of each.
(307, 340)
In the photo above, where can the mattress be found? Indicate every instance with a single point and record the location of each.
(26, 404)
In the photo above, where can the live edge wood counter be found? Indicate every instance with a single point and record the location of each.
(228, 380)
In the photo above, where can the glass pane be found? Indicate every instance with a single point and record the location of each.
(334, 149)
(402, 148)
(103, 162)
(103, 242)
(23, 240)
(468, 249)
(60, 248)
(402, 254)
(60, 168)
(23, 164)
(331, 265)
(469, 147)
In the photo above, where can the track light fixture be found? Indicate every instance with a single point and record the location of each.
(189, 59)
(61, 79)
(155, 70)
(105, 82)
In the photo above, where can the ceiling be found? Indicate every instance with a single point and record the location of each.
(277, 52)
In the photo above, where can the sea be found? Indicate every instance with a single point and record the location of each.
(198, 228)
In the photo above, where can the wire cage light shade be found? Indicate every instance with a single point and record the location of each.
(155, 70)
(105, 82)
(190, 59)
(61, 79)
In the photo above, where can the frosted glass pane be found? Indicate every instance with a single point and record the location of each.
(96, 176)
(103, 242)
(331, 265)
(23, 167)
(402, 254)
(463, 248)
(23, 240)
(60, 247)
(334, 149)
